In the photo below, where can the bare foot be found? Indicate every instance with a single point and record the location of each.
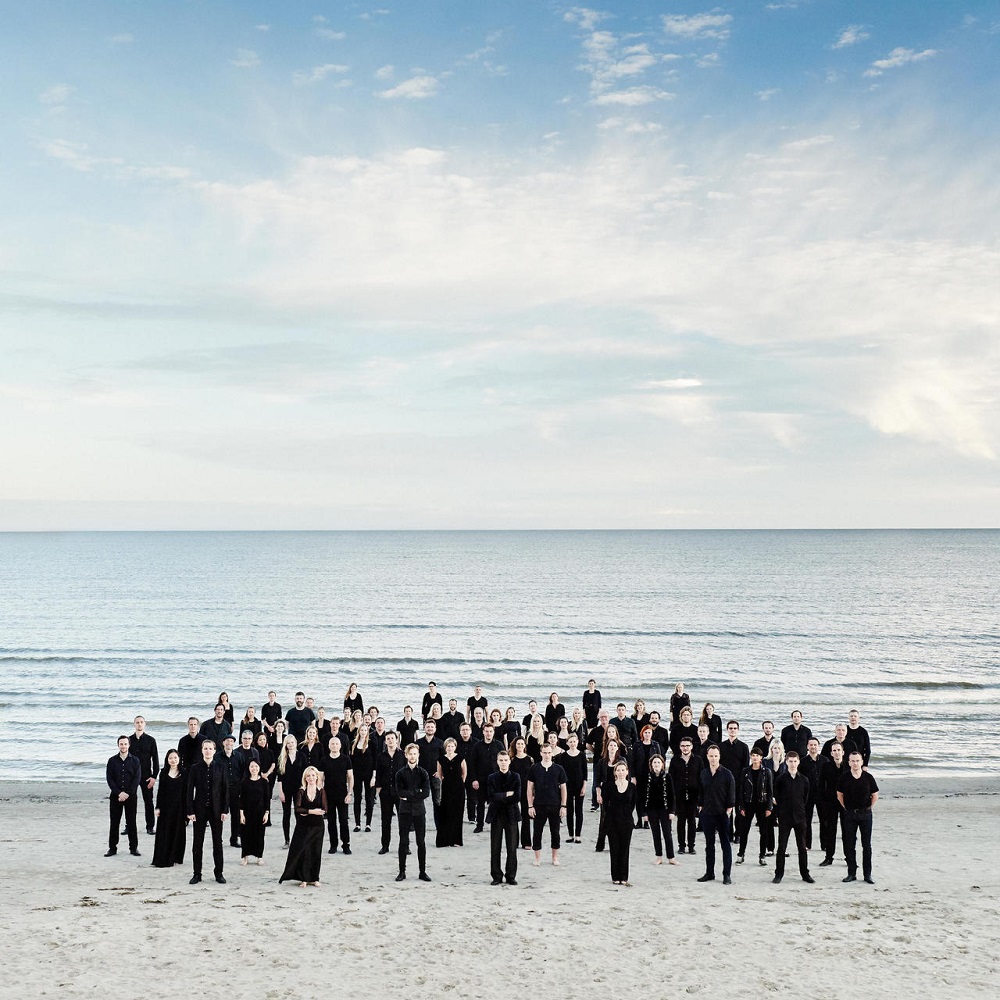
(260, 861)
(243, 861)
(315, 884)
(658, 861)
(302, 885)
(673, 861)
(536, 864)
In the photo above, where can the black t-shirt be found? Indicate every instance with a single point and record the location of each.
(857, 792)
(335, 774)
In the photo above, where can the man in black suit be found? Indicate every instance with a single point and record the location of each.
(208, 805)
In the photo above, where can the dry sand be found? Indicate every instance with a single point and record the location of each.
(77, 924)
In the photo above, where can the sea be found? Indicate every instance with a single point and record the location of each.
(902, 625)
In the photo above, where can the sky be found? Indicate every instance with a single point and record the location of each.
(279, 265)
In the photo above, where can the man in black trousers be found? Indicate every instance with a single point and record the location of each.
(388, 762)
(413, 786)
(504, 816)
(791, 792)
(123, 774)
(143, 746)
(208, 805)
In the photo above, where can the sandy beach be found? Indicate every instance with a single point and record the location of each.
(78, 924)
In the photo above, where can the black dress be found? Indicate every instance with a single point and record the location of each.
(306, 851)
(618, 808)
(255, 800)
(452, 809)
(171, 835)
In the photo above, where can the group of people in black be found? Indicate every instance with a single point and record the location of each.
(643, 770)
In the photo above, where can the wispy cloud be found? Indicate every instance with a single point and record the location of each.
(851, 35)
(58, 93)
(633, 97)
(898, 57)
(385, 72)
(319, 73)
(125, 38)
(585, 17)
(245, 59)
(331, 35)
(415, 89)
(710, 24)
(766, 95)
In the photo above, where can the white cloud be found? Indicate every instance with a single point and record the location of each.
(851, 35)
(385, 72)
(673, 383)
(633, 97)
(330, 35)
(263, 27)
(797, 145)
(766, 95)
(586, 18)
(416, 88)
(896, 58)
(318, 73)
(125, 38)
(58, 93)
(245, 59)
(706, 25)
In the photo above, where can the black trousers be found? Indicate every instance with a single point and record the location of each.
(337, 816)
(369, 795)
(415, 821)
(853, 821)
(828, 816)
(147, 799)
(503, 830)
(198, 842)
(809, 824)
(525, 824)
(118, 809)
(784, 830)
(481, 795)
(543, 815)
(234, 814)
(286, 817)
(686, 824)
(659, 820)
(574, 815)
(470, 801)
(386, 806)
(744, 823)
(619, 843)
(713, 824)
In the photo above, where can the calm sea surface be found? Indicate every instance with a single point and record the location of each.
(903, 625)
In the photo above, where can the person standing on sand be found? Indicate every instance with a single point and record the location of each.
(503, 788)
(143, 746)
(413, 786)
(755, 797)
(859, 736)
(827, 804)
(207, 805)
(546, 803)
(270, 713)
(685, 772)
(791, 793)
(591, 703)
(857, 793)
(388, 762)
(796, 736)
(716, 801)
(124, 772)
(299, 718)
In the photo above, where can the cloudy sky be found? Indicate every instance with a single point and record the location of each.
(501, 264)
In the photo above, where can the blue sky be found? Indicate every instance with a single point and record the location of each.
(455, 264)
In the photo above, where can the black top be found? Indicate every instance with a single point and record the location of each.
(299, 720)
(124, 775)
(857, 792)
(270, 713)
(144, 747)
(716, 792)
(677, 702)
(792, 797)
(796, 739)
(862, 741)
(734, 755)
(685, 776)
(413, 785)
(425, 705)
(503, 808)
(386, 767)
(591, 706)
(431, 751)
(335, 775)
(547, 784)
(355, 704)
(576, 771)
(553, 713)
(407, 731)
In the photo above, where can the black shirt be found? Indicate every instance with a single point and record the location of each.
(792, 797)
(857, 792)
(716, 792)
(547, 782)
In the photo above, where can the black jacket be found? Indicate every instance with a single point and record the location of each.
(207, 790)
(660, 792)
(685, 778)
(503, 808)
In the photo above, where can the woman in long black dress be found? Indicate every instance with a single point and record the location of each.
(619, 801)
(171, 813)
(452, 809)
(255, 803)
(306, 853)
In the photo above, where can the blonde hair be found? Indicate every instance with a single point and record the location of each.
(290, 741)
(309, 770)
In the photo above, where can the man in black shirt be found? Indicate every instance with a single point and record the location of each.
(476, 700)
(592, 704)
(388, 762)
(546, 802)
(765, 741)
(217, 728)
(189, 745)
(299, 718)
(858, 735)
(754, 797)
(270, 713)
(734, 756)
(407, 727)
(143, 746)
(685, 772)
(431, 751)
(504, 814)
(812, 766)
(481, 764)
(450, 722)
(625, 726)
(338, 781)
(124, 773)
(683, 728)
(857, 794)
(207, 805)
(839, 736)
(232, 761)
(791, 792)
(716, 800)
(661, 734)
(826, 802)
(796, 736)
(413, 786)
(466, 744)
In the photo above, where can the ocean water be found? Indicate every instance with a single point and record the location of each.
(903, 625)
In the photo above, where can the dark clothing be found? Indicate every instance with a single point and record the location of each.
(828, 807)
(792, 796)
(677, 702)
(407, 732)
(482, 762)
(123, 776)
(216, 731)
(504, 816)
(144, 747)
(813, 770)
(591, 706)
(847, 743)
(449, 725)
(548, 785)
(862, 741)
(857, 792)
(299, 720)
(189, 750)
(355, 704)
(363, 762)
(714, 824)
(431, 751)
(413, 786)
(626, 730)
(716, 792)
(576, 779)
(208, 802)
(553, 713)
(596, 736)
(734, 755)
(763, 744)
(305, 855)
(618, 808)
(451, 810)
(521, 766)
(255, 802)
(429, 700)
(796, 739)
(685, 776)
(756, 788)
(857, 816)
(254, 726)
(715, 731)
(171, 827)
(640, 768)
(270, 714)
(678, 732)
(473, 703)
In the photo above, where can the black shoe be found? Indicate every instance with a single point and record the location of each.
(195, 879)
(740, 859)
(333, 850)
(357, 829)
(777, 878)
(478, 829)
(707, 878)
(368, 829)
(384, 850)
(512, 881)
(111, 852)
(424, 877)
(347, 850)
(808, 878)
(599, 849)
(869, 880)
(401, 877)
(691, 850)
(221, 879)
(726, 880)
(826, 862)
(849, 878)
(497, 881)
(150, 830)
(234, 843)
(762, 862)
(134, 852)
